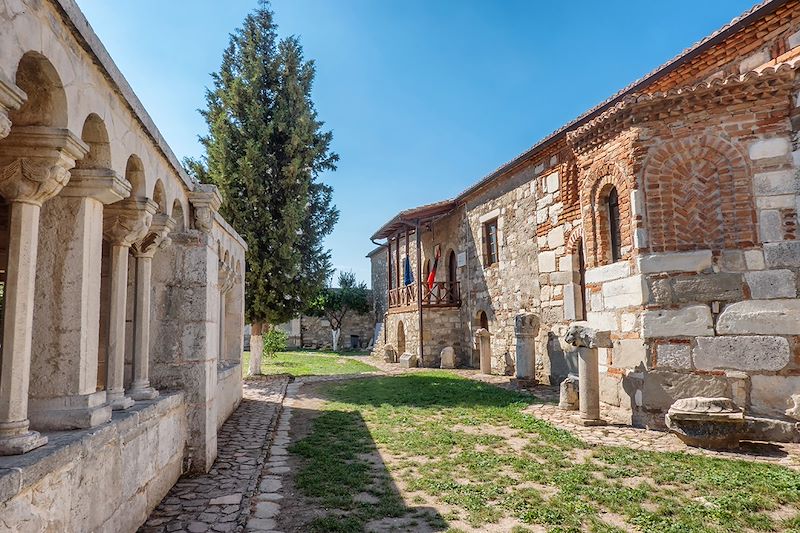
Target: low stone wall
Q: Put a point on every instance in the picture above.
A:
(107, 478)
(229, 390)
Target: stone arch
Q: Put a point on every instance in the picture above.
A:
(160, 196)
(178, 214)
(134, 173)
(698, 196)
(47, 101)
(95, 135)
(401, 337)
(574, 240)
(599, 182)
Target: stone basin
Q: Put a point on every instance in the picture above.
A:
(713, 423)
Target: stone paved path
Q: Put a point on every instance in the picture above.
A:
(220, 501)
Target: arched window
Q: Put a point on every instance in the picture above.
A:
(615, 235)
(484, 320)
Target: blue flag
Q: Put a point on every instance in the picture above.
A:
(408, 277)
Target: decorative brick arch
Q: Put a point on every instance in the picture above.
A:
(574, 237)
(595, 188)
(698, 196)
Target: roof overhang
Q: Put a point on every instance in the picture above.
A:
(408, 219)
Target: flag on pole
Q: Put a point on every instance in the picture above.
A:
(432, 275)
(408, 277)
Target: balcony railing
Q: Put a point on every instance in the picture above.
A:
(440, 294)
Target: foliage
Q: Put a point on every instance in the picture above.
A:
(334, 303)
(310, 364)
(265, 150)
(274, 342)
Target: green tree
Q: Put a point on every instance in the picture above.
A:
(335, 302)
(265, 150)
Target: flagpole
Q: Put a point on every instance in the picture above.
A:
(419, 288)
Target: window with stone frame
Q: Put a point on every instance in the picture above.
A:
(490, 239)
(615, 234)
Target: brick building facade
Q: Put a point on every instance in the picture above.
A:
(667, 215)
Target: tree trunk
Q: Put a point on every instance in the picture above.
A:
(335, 334)
(256, 347)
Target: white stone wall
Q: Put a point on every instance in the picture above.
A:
(104, 479)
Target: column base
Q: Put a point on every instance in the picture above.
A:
(143, 393)
(118, 401)
(587, 422)
(69, 412)
(16, 439)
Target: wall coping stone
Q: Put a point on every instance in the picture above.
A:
(19, 472)
(620, 269)
(695, 261)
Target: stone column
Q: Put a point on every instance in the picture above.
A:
(63, 388)
(124, 223)
(144, 250)
(34, 166)
(226, 281)
(484, 341)
(588, 340)
(526, 327)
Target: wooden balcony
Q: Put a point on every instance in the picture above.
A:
(440, 294)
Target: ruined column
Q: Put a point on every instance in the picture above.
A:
(34, 166)
(484, 341)
(143, 251)
(63, 388)
(124, 224)
(588, 340)
(526, 327)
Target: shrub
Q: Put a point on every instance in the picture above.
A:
(274, 341)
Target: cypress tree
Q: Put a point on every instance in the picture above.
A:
(265, 150)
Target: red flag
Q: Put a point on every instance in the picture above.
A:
(432, 275)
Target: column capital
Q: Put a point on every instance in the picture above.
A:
(526, 325)
(35, 162)
(128, 221)
(206, 200)
(156, 236)
(11, 98)
(102, 184)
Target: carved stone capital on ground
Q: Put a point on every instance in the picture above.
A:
(156, 236)
(206, 200)
(35, 162)
(582, 336)
(11, 98)
(526, 325)
(128, 221)
(102, 184)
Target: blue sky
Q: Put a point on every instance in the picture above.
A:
(424, 97)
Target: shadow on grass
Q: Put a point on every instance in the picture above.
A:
(345, 482)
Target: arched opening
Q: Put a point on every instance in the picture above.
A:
(614, 233)
(452, 277)
(483, 320)
(177, 214)
(401, 338)
(160, 197)
(94, 134)
(47, 103)
(134, 173)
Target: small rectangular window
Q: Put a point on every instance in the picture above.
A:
(490, 238)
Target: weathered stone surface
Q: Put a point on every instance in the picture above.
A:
(568, 397)
(760, 317)
(772, 395)
(618, 270)
(776, 182)
(581, 335)
(662, 388)
(775, 147)
(448, 358)
(782, 254)
(714, 423)
(689, 321)
(408, 360)
(389, 353)
(628, 353)
(626, 292)
(766, 284)
(675, 262)
(547, 261)
(794, 410)
(741, 352)
(722, 287)
(674, 356)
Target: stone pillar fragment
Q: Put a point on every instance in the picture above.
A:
(124, 224)
(484, 341)
(144, 250)
(63, 389)
(34, 166)
(526, 327)
(588, 340)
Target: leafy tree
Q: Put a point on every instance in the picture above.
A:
(335, 303)
(265, 150)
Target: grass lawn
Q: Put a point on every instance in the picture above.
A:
(466, 450)
(307, 363)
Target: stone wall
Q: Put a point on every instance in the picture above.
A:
(103, 479)
(410, 328)
(315, 332)
(229, 390)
